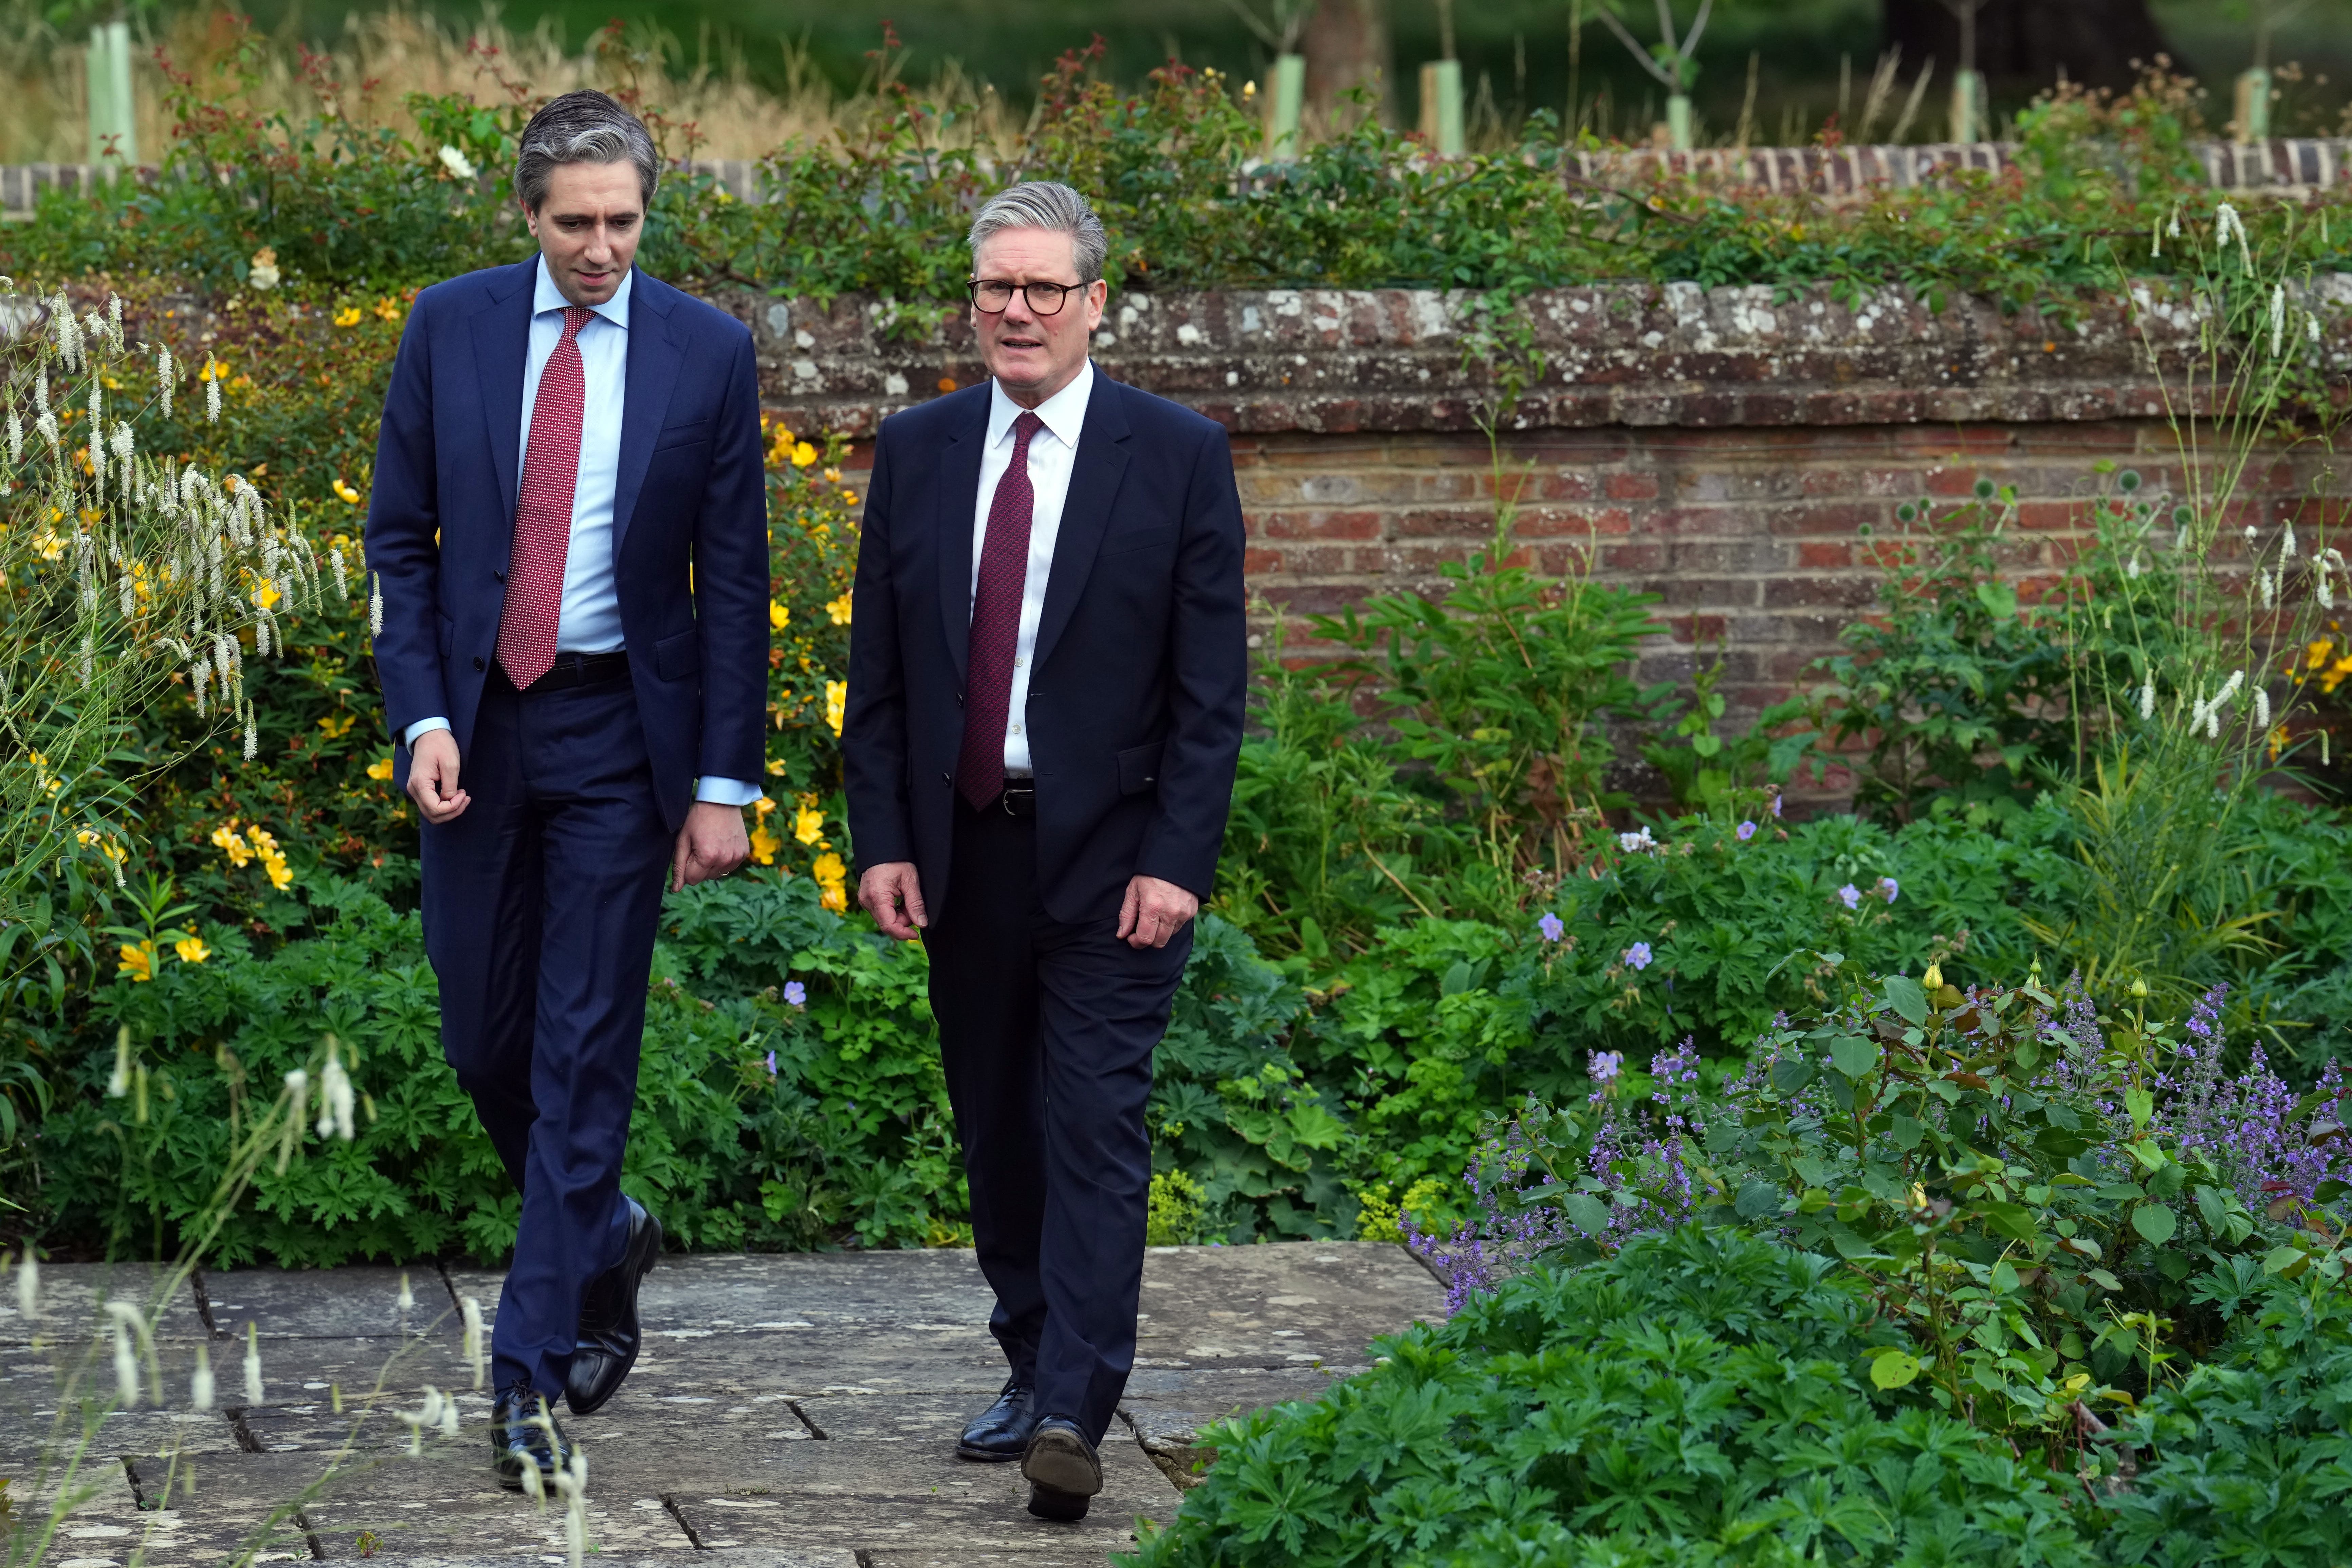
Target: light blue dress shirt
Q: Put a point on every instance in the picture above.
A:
(590, 619)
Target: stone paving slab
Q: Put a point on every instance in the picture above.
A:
(72, 1294)
(789, 1412)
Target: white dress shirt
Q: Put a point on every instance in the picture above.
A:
(1052, 452)
(590, 618)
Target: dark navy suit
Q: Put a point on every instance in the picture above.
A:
(1134, 713)
(542, 899)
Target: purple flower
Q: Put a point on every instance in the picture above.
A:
(1887, 889)
(1776, 804)
(772, 1064)
(1551, 927)
(1605, 1065)
(795, 992)
(1638, 955)
(1851, 896)
(1746, 831)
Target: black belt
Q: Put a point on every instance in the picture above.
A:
(578, 670)
(1020, 798)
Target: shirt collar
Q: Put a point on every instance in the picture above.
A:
(545, 296)
(1065, 413)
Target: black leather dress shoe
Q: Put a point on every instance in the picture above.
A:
(520, 1440)
(1001, 1431)
(1061, 1468)
(609, 1336)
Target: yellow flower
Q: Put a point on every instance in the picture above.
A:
(765, 845)
(348, 316)
(265, 844)
(215, 369)
(831, 875)
(337, 729)
(837, 704)
(833, 476)
(808, 824)
(192, 950)
(266, 596)
(838, 610)
(803, 455)
(380, 769)
(49, 544)
(779, 616)
(349, 496)
(282, 876)
(387, 308)
(776, 766)
(849, 498)
(232, 843)
(138, 961)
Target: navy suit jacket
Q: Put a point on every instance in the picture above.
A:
(1136, 697)
(689, 521)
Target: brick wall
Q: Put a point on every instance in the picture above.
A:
(1723, 450)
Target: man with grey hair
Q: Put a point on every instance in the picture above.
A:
(569, 530)
(1046, 677)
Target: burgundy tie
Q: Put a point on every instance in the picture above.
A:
(996, 623)
(542, 535)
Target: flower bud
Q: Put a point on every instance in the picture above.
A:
(1933, 981)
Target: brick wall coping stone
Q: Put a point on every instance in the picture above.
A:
(1342, 361)
(2287, 167)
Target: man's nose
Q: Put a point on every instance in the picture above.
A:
(1017, 311)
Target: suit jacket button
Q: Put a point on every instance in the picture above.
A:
(500, 575)
(947, 778)
(477, 664)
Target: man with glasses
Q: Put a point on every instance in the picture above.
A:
(1045, 690)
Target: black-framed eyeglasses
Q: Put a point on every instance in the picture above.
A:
(995, 294)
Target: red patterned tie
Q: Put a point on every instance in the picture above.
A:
(996, 623)
(542, 535)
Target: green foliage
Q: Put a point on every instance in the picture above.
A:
(1700, 1397)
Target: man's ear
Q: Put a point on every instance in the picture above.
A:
(530, 219)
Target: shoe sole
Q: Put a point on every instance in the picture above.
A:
(1060, 1462)
(653, 1255)
(985, 1455)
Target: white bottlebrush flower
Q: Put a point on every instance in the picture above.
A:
(16, 437)
(2311, 328)
(457, 163)
(47, 425)
(88, 661)
(2227, 226)
(343, 578)
(406, 1300)
(2327, 588)
(252, 1364)
(470, 1312)
(2269, 582)
(252, 741)
(2172, 228)
(114, 315)
(2132, 568)
(41, 390)
(28, 1285)
(336, 1101)
(118, 1082)
(2230, 688)
(126, 1366)
(2286, 541)
(123, 440)
(2278, 319)
(163, 379)
(198, 676)
(201, 1394)
(375, 608)
(212, 401)
(127, 597)
(2147, 700)
(2261, 709)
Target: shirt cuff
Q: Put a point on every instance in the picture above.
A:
(727, 791)
(421, 727)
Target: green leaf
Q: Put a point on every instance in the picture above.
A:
(1589, 1214)
(1790, 1075)
(2154, 1222)
(2141, 1104)
(2014, 1221)
(1757, 1199)
(1999, 599)
(1894, 1369)
(1856, 1058)
(2004, 1278)
(2282, 1259)
(1904, 995)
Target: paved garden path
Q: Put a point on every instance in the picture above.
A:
(794, 1411)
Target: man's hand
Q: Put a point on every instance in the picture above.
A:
(711, 844)
(432, 777)
(1153, 911)
(892, 893)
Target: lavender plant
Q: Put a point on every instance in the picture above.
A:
(2025, 1184)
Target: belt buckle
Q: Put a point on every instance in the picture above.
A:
(1030, 793)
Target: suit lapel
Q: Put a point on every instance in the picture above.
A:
(958, 505)
(1096, 470)
(501, 339)
(655, 356)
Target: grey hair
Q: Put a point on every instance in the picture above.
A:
(1047, 203)
(584, 127)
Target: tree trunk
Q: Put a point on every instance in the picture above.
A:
(1346, 43)
(2026, 44)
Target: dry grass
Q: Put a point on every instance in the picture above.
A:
(384, 56)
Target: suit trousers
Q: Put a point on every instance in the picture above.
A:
(541, 902)
(1047, 1030)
